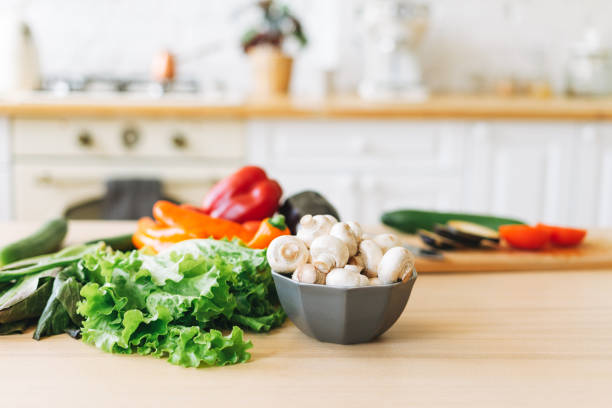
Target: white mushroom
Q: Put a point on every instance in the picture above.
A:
(311, 227)
(352, 268)
(306, 273)
(343, 277)
(328, 252)
(286, 253)
(331, 218)
(396, 263)
(365, 236)
(343, 232)
(357, 230)
(356, 261)
(371, 254)
(375, 282)
(387, 241)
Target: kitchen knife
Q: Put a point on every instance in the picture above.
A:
(424, 253)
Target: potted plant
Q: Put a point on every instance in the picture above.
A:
(265, 44)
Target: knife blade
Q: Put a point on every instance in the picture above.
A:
(424, 253)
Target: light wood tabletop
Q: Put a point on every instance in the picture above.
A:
(456, 106)
(511, 339)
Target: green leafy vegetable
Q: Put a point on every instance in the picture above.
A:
(174, 303)
(16, 327)
(28, 308)
(59, 315)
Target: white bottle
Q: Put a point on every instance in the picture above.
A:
(19, 69)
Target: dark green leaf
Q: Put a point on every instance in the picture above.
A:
(16, 327)
(60, 313)
(30, 307)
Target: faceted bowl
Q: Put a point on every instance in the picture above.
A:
(343, 315)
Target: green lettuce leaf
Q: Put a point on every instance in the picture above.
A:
(173, 304)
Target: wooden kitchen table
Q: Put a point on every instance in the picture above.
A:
(511, 339)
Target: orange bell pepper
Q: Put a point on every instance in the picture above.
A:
(251, 226)
(197, 224)
(269, 229)
(156, 236)
(141, 240)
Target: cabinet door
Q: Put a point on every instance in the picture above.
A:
(364, 167)
(520, 169)
(5, 171)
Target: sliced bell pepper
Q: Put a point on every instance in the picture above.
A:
(251, 226)
(198, 225)
(563, 236)
(524, 236)
(141, 240)
(269, 229)
(246, 195)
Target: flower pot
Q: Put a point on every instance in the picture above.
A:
(271, 71)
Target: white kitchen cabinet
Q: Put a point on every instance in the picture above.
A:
(364, 167)
(552, 171)
(5, 170)
(519, 169)
(556, 172)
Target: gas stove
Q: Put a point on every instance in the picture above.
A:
(100, 84)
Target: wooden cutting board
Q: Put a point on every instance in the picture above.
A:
(594, 253)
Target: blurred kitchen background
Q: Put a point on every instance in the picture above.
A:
(498, 106)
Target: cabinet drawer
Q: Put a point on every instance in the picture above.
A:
(332, 144)
(135, 138)
(44, 192)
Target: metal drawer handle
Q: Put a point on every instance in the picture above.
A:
(130, 137)
(179, 141)
(85, 139)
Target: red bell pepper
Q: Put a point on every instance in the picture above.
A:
(246, 195)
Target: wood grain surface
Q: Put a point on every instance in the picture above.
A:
(515, 339)
(594, 253)
(333, 107)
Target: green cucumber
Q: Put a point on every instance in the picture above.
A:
(118, 242)
(410, 221)
(46, 240)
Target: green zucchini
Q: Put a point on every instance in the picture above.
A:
(118, 242)
(410, 221)
(46, 240)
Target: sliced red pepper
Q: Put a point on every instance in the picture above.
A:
(524, 236)
(246, 195)
(564, 236)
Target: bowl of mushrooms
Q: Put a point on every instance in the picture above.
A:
(338, 284)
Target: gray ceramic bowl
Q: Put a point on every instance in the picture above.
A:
(342, 315)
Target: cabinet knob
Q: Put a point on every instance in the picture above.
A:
(130, 137)
(179, 141)
(85, 139)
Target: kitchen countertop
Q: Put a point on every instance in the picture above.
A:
(437, 107)
(465, 340)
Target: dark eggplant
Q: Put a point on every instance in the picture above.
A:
(458, 237)
(306, 202)
(437, 241)
(473, 230)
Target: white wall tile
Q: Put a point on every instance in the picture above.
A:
(468, 39)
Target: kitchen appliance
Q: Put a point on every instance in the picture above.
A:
(392, 32)
(61, 86)
(19, 69)
(589, 67)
